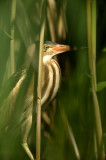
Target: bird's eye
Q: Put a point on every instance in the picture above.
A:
(46, 47)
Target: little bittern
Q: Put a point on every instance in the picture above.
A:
(50, 84)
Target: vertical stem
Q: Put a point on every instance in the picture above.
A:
(95, 145)
(13, 13)
(38, 129)
(91, 20)
(89, 34)
(70, 134)
(94, 40)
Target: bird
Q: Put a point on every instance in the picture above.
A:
(51, 78)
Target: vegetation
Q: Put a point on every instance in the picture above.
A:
(73, 125)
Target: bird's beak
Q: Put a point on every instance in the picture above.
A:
(60, 49)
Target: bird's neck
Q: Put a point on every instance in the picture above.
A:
(51, 81)
(46, 59)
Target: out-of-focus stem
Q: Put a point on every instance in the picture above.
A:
(13, 13)
(94, 41)
(91, 24)
(70, 135)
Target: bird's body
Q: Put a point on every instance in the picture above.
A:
(50, 84)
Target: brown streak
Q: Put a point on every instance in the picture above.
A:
(54, 81)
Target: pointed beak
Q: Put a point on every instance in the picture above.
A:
(60, 49)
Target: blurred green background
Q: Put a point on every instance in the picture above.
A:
(66, 23)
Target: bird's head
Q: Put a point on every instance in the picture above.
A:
(52, 49)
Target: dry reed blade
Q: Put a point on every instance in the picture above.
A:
(71, 136)
(57, 21)
(52, 19)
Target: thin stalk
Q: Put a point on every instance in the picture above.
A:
(94, 41)
(13, 14)
(89, 34)
(38, 129)
(70, 134)
(95, 145)
(91, 22)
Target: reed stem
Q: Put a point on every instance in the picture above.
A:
(13, 14)
(38, 129)
(91, 24)
(70, 134)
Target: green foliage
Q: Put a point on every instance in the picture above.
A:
(101, 86)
